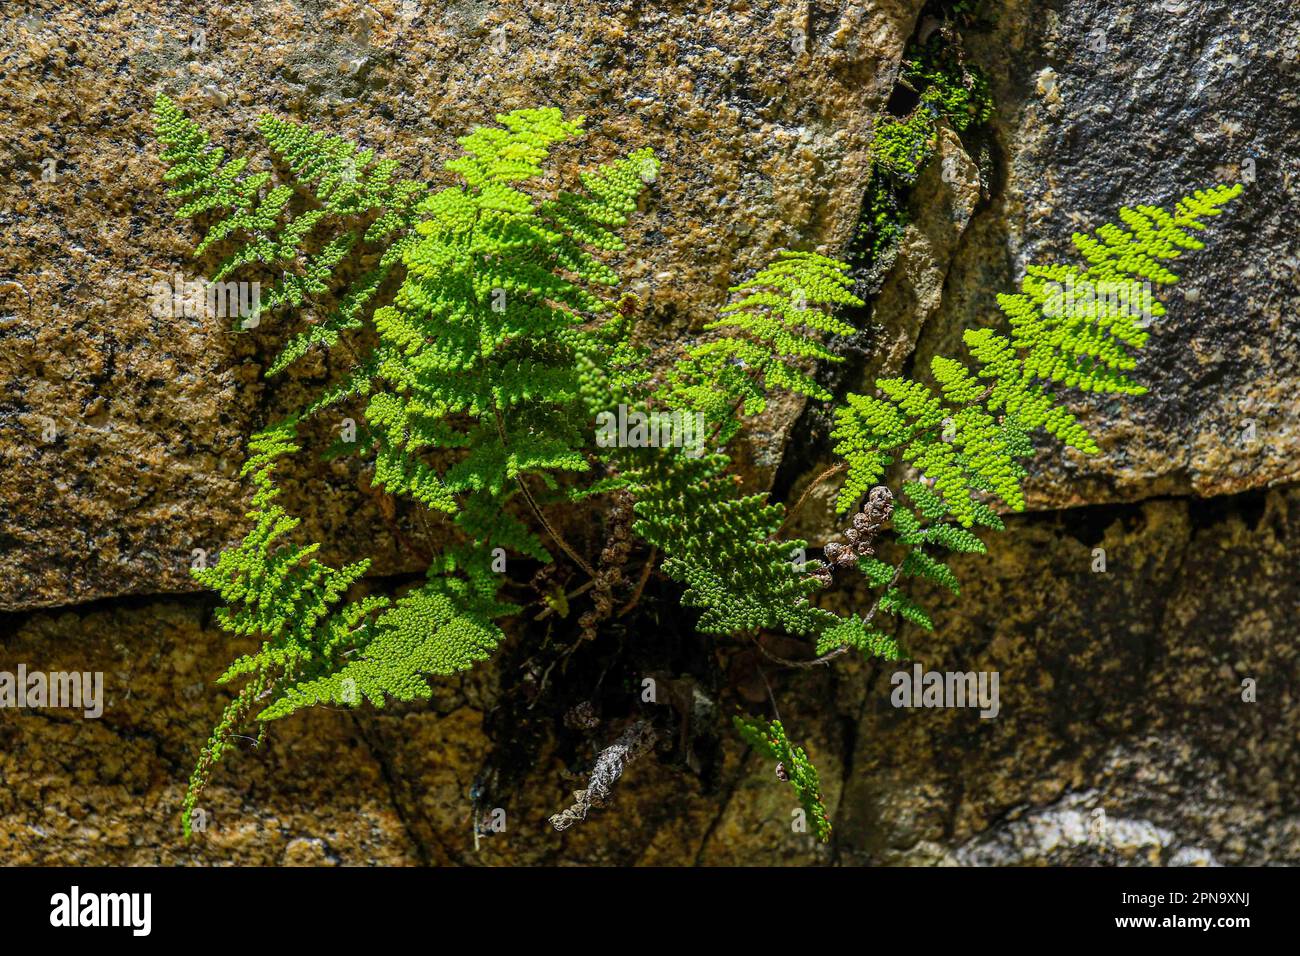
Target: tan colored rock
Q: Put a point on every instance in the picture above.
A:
(126, 429)
(1122, 736)
(1119, 691)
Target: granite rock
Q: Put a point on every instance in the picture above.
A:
(1147, 712)
(126, 429)
(1122, 735)
(1101, 105)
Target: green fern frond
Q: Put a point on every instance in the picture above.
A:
(199, 171)
(968, 434)
(956, 436)
(348, 315)
(349, 198)
(233, 716)
(855, 632)
(919, 564)
(278, 592)
(766, 339)
(514, 151)
(201, 175)
(345, 179)
(720, 546)
(317, 647)
(896, 601)
(792, 765)
(479, 350)
(427, 632)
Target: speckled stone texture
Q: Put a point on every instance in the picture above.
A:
(126, 429)
(1101, 105)
(1123, 736)
(1104, 104)
(1120, 692)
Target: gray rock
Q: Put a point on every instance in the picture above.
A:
(1106, 104)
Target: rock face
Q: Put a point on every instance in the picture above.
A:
(131, 425)
(1147, 713)
(1099, 106)
(1121, 698)
(1122, 735)
(1106, 104)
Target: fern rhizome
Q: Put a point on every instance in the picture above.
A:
(488, 354)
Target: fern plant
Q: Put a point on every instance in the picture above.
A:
(792, 767)
(965, 434)
(477, 355)
(947, 91)
(483, 336)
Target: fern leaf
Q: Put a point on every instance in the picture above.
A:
(792, 765)
(424, 633)
(968, 434)
(777, 323)
(720, 546)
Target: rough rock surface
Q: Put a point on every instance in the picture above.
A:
(1098, 106)
(130, 426)
(1122, 736)
(1119, 692)
(946, 195)
(1103, 104)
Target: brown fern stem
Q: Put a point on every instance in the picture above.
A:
(826, 475)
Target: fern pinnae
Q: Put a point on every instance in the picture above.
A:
(968, 438)
(476, 356)
(791, 766)
(499, 335)
(723, 546)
